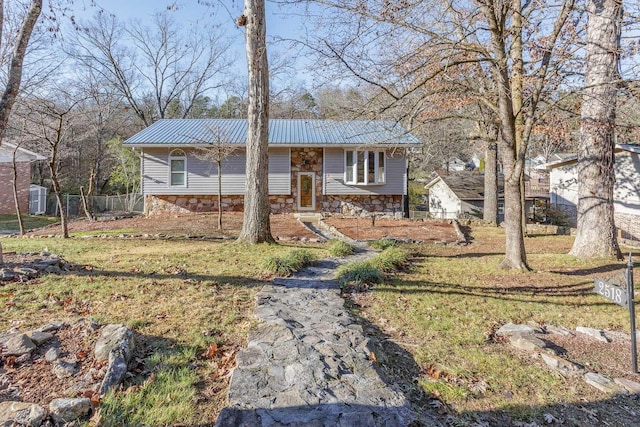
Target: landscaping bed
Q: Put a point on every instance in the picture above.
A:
(362, 228)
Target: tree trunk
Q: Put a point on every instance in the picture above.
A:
(255, 226)
(490, 213)
(515, 254)
(14, 76)
(219, 194)
(61, 205)
(596, 233)
(15, 191)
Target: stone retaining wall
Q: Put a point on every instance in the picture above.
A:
(360, 205)
(349, 205)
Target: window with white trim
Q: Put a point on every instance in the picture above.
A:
(366, 167)
(177, 168)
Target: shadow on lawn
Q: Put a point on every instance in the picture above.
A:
(514, 293)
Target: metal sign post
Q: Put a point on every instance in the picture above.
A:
(632, 316)
(614, 289)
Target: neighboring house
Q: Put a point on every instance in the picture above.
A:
(23, 166)
(454, 165)
(314, 165)
(456, 195)
(626, 196)
(462, 194)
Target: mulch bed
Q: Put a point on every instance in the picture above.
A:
(360, 228)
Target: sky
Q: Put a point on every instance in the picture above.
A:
(283, 22)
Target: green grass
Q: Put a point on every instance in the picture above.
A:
(105, 232)
(170, 294)
(383, 244)
(391, 259)
(340, 248)
(451, 299)
(289, 263)
(358, 273)
(9, 223)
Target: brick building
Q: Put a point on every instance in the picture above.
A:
(23, 165)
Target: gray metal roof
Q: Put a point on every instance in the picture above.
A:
(281, 132)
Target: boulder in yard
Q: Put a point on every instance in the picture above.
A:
(565, 367)
(21, 414)
(527, 342)
(509, 329)
(603, 383)
(113, 336)
(18, 345)
(67, 410)
(596, 334)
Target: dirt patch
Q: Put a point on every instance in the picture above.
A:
(363, 229)
(283, 227)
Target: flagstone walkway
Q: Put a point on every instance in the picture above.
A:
(308, 362)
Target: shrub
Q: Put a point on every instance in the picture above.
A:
(359, 273)
(339, 248)
(391, 259)
(285, 265)
(383, 244)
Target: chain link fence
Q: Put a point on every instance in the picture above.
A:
(102, 205)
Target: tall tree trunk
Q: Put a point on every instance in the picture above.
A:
(58, 193)
(219, 161)
(596, 234)
(14, 76)
(255, 225)
(490, 213)
(15, 190)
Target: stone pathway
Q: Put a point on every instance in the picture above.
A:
(308, 363)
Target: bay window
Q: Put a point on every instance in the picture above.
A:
(364, 167)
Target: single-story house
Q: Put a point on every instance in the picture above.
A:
(626, 196)
(462, 194)
(314, 165)
(24, 158)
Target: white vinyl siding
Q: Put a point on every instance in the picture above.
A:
(394, 170)
(202, 176)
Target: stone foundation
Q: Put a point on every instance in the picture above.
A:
(362, 205)
(159, 204)
(347, 205)
(628, 227)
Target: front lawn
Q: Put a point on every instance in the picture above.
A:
(179, 296)
(445, 309)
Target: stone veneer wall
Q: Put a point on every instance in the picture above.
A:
(628, 226)
(306, 160)
(158, 204)
(362, 205)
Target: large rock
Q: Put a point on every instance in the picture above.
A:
(21, 414)
(116, 369)
(592, 333)
(603, 383)
(63, 369)
(509, 329)
(114, 336)
(561, 365)
(631, 386)
(39, 337)
(527, 342)
(18, 345)
(68, 410)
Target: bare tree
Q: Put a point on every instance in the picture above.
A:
(16, 197)
(50, 126)
(160, 71)
(14, 76)
(407, 50)
(216, 148)
(256, 227)
(596, 233)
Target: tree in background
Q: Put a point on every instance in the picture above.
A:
(125, 175)
(596, 233)
(256, 227)
(160, 71)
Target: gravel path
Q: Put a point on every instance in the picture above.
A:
(308, 363)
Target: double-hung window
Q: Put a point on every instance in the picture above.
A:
(177, 168)
(364, 167)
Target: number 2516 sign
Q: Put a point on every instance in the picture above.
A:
(612, 292)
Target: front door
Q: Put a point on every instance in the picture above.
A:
(306, 191)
